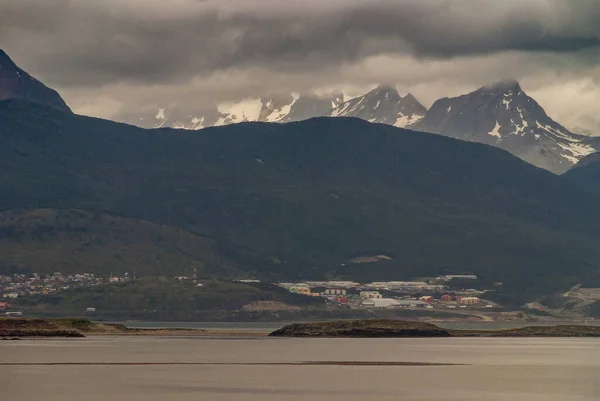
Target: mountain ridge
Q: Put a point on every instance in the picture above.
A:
(503, 115)
(296, 200)
(15, 83)
(500, 114)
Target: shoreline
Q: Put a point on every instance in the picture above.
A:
(410, 329)
(20, 328)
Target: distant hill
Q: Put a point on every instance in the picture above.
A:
(71, 241)
(163, 299)
(297, 200)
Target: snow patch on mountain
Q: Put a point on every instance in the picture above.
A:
(283, 111)
(244, 111)
(496, 131)
(407, 121)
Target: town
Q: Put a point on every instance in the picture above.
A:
(18, 285)
(429, 294)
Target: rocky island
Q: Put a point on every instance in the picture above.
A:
(403, 329)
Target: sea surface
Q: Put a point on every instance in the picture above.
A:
(262, 368)
(265, 327)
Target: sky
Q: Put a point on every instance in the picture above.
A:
(119, 58)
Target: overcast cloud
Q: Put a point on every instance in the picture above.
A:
(114, 57)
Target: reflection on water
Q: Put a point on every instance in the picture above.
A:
(232, 369)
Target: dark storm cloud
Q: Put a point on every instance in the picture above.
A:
(89, 43)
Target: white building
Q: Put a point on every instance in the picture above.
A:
(449, 277)
(333, 284)
(370, 295)
(412, 303)
(336, 291)
(380, 303)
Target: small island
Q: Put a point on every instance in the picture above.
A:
(404, 329)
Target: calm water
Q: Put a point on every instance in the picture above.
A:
(226, 369)
(270, 326)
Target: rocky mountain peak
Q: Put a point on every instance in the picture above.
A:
(6, 62)
(385, 92)
(383, 105)
(503, 115)
(17, 84)
(505, 86)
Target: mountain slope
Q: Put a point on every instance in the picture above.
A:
(503, 115)
(70, 241)
(17, 84)
(279, 108)
(586, 173)
(299, 199)
(383, 105)
(500, 115)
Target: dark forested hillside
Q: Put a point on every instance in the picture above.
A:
(299, 199)
(586, 173)
(45, 241)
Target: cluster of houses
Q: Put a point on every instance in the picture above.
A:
(401, 294)
(17, 285)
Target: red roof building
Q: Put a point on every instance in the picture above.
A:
(428, 299)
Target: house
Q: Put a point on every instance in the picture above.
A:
(470, 301)
(380, 302)
(446, 298)
(342, 300)
(300, 290)
(335, 291)
(428, 299)
(4, 305)
(412, 303)
(370, 295)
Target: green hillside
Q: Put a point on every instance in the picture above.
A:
(297, 200)
(162, 299)
(70, 241)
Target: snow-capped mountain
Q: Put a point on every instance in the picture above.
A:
(277, 108)
(502, 115)
(17, 84)
(383, 105)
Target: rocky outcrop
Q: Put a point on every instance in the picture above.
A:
(402, 329)
(362, 328)
(13, 327)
